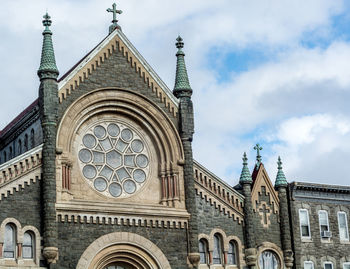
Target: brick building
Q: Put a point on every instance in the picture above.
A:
(98, 172)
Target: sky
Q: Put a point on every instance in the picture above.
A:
(273, 72)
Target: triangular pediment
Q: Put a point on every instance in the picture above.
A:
(117, 41)
(263, 186)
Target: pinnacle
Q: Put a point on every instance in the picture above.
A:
(245, 174)
(281, 180)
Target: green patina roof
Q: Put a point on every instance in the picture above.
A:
(48, 62)
(246, 177)
(281, 180)
(182, 84)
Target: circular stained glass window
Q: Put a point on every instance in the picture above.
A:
(113, 159)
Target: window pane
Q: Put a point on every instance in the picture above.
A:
(328, 266)
(202, 252)
(308, 265)
(217, 250)
(323, 218)
(346, 266)
(303, 217)
(231, 253)
(9, 242)
(28, 246)
(305, 231)
(268, 260)
(343, 227)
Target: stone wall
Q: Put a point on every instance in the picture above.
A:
(74, 238)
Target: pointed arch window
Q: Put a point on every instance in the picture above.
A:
(32, 139)
(28, 245)
(203, 251)
(25, 142)
(9, 247)
(217, 253)
(232, 253)
(19, 147)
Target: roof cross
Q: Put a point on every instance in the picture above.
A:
(115, 11)
(258, 156)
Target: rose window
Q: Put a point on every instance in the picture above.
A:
(114, 159)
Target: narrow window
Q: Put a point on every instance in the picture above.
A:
(26, 142)
(217, 253)
(32, 139)
(304, 223)
(328, 265)
(308, 265)
(5, 157)
(11, 152)
(28, 245)
(9, 247)
(346, 265)
(324, 225)
(343, 226)
(19, 147)
(231, 255)
(203, 251)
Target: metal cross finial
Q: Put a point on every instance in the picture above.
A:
(179, 44)
(258, 157)
(47, 22)
(115, 11)
(279, 163)
(245, 159)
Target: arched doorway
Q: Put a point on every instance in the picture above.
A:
(120, 265)
(122, 250)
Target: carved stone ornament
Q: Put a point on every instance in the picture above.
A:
(251, 256)
(288, 258)
(194, 259)
(50, 254)
(114, 159)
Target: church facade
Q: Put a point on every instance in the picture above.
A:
(98, 173)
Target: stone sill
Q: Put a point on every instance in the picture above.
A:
(217, 266)
(306, 240)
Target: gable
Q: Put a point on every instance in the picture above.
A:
(263, 186)
(117, 43)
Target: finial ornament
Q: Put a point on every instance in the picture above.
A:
(245, 174)
(47, 22)
(179, 44)
(281, 180)
(258, 156)
(114, 21)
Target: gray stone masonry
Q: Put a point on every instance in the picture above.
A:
(76, 237)
(48, 103)
(116, 72)
(317, 249)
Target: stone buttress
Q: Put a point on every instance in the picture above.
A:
(183, 92)
(281, 185)
(48, 103)
(246, 182)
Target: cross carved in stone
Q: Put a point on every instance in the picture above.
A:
(115, 11)
(265, 212)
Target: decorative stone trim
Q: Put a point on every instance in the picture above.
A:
(19, 261)
(117, 40)
(226, 240)
(272, 247)
(122, 220)
(21, 165)
(219, 204)
(328, 259)
(110, 244)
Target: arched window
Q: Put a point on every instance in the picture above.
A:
(217, 253)
(19, 147)
(26, 142)
(231, 255)
(9, 248)
(11, 152)
(203, 251)
(32, 139)
(28, 245)
(5, 157)
(268, 260)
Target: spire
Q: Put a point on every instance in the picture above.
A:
(182, 84)
(115, 24)
(48, 68)
(280, 178)
(258, 156)
(245, 174)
